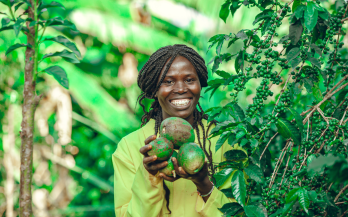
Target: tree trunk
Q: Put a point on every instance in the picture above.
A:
(30, 103)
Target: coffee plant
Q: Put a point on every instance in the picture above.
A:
(27, 17)
(295, 161)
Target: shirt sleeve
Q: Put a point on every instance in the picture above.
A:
(137, 192)
(217, 198)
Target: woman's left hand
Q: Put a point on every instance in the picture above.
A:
(181, 173)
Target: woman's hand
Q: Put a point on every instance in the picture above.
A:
(181, 173)
(149, 161)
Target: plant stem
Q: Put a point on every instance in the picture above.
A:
(30, 103)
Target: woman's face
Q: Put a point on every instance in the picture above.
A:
(180, 90)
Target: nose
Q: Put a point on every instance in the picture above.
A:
(180, 87)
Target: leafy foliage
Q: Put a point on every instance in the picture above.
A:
(303, 133)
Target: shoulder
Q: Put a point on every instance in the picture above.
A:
(134, 141)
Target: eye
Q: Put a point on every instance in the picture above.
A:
(168, 82)
(189, 80)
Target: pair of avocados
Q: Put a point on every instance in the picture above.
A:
(177, 133)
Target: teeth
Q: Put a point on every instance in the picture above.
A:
(181, 102)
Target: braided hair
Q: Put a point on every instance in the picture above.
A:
(148, 79)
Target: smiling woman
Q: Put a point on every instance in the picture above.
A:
(173, 77)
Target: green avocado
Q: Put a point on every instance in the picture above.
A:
(191, 158)
(177, 130)
(168, 170)
(162, 148)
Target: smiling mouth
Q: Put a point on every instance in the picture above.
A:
(180, 102)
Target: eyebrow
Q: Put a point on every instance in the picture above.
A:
(169, 76)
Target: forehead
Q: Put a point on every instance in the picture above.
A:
(180, 66)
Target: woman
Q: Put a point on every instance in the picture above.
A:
(174, 77)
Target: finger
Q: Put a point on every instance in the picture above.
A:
(168, 178)
(176, 168)
(157, 166)
(182, 172)
(148, 160)
(149, 139)
(143, 150)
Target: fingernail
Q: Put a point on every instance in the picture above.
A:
(173, 158)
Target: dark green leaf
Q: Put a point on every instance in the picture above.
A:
(14, 47)
(294, 63)
(239, 187)
(299, 11)
(57, 21)
(4, 22)
(284, 38)
(234, 7)
(65, 42)
(266, 26)
(311, 21)
(288, 130)
(295, 32)
(293, 53)
(224, 136)
(50, 5)
(287, 208)
(342, 95)
(231, 209)
(59, 74)
(324, 14)
(18, 26)
(314, 61)
(322, 161)
(6, 28)
(240, 134)
(18, 5)
(27, 2)
(263, 15)
(255, 173)
(311, 8)
(254, 211)
(298, 118)
(237, 112)
(223, 74)
(227, 192)
(5, 2)
(253, 143)
(222, 176)
(303, 199)
(235, 154)
(317, 92)
(225, 10)
(316, 49)
(67, 55)
(292, 195)
(313, 196)
(308, 83)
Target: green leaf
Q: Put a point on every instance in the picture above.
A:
(234, 7)
(67, 55)
(235, 154)
(295, 32)
(342, 95)
(303, 199)
(316, 49)
(27, 2)
(231, 209)
(239, 187)
(14, 47)
(59, 74)
(263, 15)
(18, 5)
(291, 196)
(4, 22)
(311, 8)
(228, 192)
(51, 5)
(308, 83)
(225, 10)
(315, 62)
(324, 14)
(313, 196)
(254, 211)
(237, 111)
(224, 136)
(255, 173)
(317, 92)
(293, 53)
(295, 5)
(18, 26)
(253, 143)
(6, 28)
(298, 118)
(294, 63)
(288, 130)
(223, 74)
(57, 21)
(299, 11)
(67, 43)
(310, 21)
(222, 176)
(287, 208)
(240, 134)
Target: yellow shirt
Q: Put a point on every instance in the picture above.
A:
(140, 194)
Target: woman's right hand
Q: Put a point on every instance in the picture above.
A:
(149, 161)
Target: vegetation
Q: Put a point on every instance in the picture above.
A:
(297, 146)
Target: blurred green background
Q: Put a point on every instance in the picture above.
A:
(77, 130)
